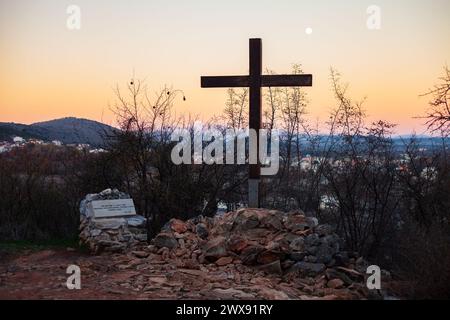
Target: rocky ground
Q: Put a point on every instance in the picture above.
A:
(248, 254)
(139, 275)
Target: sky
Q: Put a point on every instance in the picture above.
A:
(48, 71)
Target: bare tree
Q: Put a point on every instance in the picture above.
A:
(235, 113)
(438, 114)
(145, 125)
(360, 174)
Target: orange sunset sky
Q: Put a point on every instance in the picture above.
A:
(48, 71)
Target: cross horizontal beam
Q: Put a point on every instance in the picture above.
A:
(287, 80)
(284, 80)
(225, 82)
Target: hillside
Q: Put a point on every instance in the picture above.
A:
(66, 130)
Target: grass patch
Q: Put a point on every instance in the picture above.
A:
(22, 245)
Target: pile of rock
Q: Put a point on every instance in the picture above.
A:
(273, 242)
(115, 234)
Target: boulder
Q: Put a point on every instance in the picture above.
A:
(201, 230)
(215, 249)
(165, 240)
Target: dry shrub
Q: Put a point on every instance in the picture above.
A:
(423, 262)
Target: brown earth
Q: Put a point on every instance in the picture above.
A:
(42, 275)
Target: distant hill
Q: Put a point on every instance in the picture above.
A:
(66, 130)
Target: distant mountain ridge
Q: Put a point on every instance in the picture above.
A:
(72, 130)
(67, 130)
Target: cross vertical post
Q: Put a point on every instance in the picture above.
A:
(255, 81)
(255, 119)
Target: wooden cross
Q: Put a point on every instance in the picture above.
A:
(255, 81)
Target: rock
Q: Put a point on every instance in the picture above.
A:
(230, 293)
(297, 244)
(273, 245)
(332, 274)
(300, 227)
(272, 268)
(351, 272)
(287, 264)
(224, 261)
(141, 254)
(335, 284)
(215, 249)
(165, 240)
(111, 246)
(272, 294)
(273, 221)
(236, 247)
(312, 222)
(246, 220)
(256, 233)
(297, 256)
(309, 268)
(294, 219)
(312, 240)
(324, 230)
(111, 224)
(237, 244)
(324, 253)
(136, 221)
(250, 254)
(178, 226)
(181, 243)
(202, 230)
(95, 232)
(269, 256)
(141, 237)
(288, 237)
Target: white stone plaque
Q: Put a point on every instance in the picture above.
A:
(112, 208)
